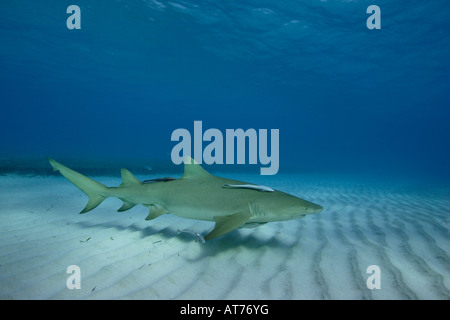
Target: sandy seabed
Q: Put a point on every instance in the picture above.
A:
(403, 228)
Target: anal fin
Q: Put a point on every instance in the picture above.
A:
(225, 224)
(155, 211)
(126, 206)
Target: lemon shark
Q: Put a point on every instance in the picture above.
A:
(197, 194)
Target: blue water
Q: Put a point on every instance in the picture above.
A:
(345, 98)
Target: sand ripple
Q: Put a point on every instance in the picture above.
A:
(400, 227)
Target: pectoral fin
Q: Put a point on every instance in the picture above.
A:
(155, 211)
(225, 224)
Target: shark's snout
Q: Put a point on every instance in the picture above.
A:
(313, 208)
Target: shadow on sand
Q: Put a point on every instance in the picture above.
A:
(234, 240)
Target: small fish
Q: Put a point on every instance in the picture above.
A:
(85, 240)
(197, 235)
(248, 186)
(165, 179)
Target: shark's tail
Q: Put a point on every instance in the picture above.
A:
(96, 191)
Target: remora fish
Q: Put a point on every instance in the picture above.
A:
(197, 194)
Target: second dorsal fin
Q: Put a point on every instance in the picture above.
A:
(128, 178)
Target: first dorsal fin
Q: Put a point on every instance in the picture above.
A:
(192, 169)
(128, 178)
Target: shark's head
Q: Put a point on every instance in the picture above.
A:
(278, 206)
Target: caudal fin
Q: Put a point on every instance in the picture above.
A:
(93, 189)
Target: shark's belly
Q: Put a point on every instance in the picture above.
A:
(204, 212)
(206, 208)
(210, 208)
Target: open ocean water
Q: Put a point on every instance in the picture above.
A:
(362, 120)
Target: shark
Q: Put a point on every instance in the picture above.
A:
(197, 194)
